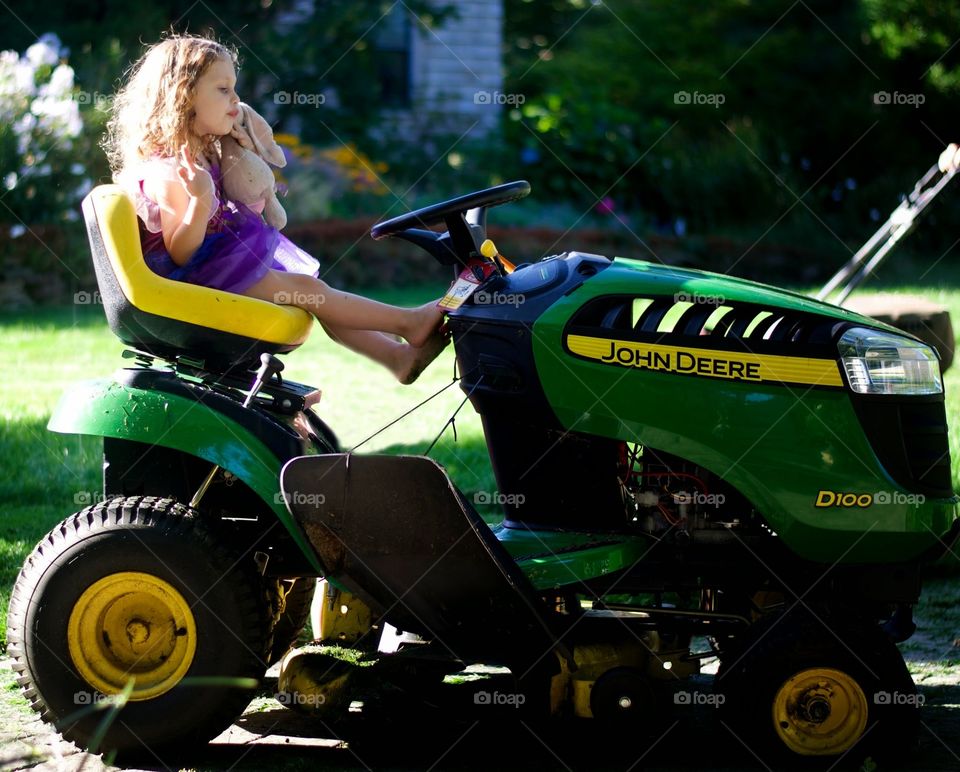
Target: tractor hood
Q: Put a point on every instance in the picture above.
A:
(755, 384)
(525, 294)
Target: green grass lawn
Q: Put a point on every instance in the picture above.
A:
(45, 476)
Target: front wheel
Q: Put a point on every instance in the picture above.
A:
(806, 684)
(135, 596)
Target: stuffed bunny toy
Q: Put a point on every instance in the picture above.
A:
(246, 176)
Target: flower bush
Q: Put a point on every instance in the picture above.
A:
(45, 142)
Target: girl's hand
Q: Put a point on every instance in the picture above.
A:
(197, 182)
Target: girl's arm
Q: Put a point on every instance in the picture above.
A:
(186, 205)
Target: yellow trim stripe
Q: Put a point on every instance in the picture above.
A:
(191, 303)
(709, 363)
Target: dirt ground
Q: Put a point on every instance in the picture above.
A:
(396, 736)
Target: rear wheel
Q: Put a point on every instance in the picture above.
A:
(135, 594)
(803, 685)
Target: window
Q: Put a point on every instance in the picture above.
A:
(392, 45)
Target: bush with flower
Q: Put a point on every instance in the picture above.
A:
(45, 142)
(49, 160)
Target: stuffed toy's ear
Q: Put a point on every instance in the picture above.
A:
(261, 135)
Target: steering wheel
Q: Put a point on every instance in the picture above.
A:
(436, 213)
(465, 232)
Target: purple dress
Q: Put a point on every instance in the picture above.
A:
(238, 250)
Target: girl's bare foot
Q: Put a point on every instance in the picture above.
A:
(414, 359)
(423, 323)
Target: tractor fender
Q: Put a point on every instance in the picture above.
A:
(111, 408)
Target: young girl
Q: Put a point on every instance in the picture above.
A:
(162, 143)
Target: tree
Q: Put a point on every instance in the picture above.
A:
(725, 113)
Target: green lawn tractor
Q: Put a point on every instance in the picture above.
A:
(689, 466)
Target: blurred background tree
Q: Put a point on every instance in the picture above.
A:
(771, 121)
(281, 46)
(791, 97)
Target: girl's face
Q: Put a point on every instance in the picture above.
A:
(215, 102)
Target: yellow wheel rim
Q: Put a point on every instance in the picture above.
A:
(132, 625)
(820, 712)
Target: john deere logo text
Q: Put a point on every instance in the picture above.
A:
(841, 499)
(729, 365)
(682, 362)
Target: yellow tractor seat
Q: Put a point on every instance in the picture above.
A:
(169, 318)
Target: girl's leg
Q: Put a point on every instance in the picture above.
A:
(406, 362)
(345, 310)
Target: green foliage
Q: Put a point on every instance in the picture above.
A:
(724, 114)
(780, 103)
(283, 50)
(919, 33)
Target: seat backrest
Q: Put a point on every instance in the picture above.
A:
(169, 318)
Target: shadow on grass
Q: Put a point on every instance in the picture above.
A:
(392, 730)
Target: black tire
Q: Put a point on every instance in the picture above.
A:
(796, 641)
(161, 540)
(289, 601)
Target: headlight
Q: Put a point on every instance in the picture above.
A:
(879, 362)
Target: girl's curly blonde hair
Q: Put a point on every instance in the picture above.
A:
(152, 112)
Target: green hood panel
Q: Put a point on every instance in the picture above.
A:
(779, 445)
(105, 408)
